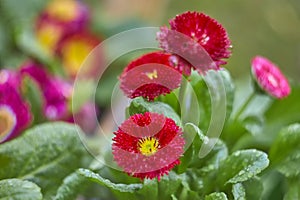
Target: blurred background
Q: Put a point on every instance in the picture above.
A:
(267, 27)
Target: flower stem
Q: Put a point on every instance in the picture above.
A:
(182, 89)
(244, 106)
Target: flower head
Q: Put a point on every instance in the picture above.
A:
(15, 114)
(74, 49)
(270, 78)
(60, 19)
(195, 34)
(151, 75)
(148, 145)
(72, 14)
(56, 92)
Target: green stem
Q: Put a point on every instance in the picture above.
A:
(182, 90)
(244, 106)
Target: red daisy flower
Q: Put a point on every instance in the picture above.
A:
(270, 78)
(151, 75)
(195, 36)
(148, 145)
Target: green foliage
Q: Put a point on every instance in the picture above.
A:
(49, 161)
(44, 155)
(140, 105)
(285, 151)
(71, 186)
(293, 191)
(33, 94)
(242, 165)
(216, 196)
(19, 190)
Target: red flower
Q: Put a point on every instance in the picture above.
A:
(151, 75)
(270, 78)
(148, 145)
(195, 34)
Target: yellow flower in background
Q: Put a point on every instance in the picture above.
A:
(63, 10)
(74, 50)
(60, 19)
(48, 35)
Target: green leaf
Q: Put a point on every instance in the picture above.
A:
(282, 113)
(139, 105)
(170, 99)
(201, 90)
(194, 138)
(293, 191)
(33, 95)
(253, 188)
(204, 95)
(149, 190)
(163, 189)
(229, 89)
(285, 151)
(186, 191)
(19, 190)
(45, 155)
(107, 183)
(216, 196)
(209, 162)
(241, 166)
(238, 192)
(254, 124)
(82, 92)
(169, 185)
(70, 187)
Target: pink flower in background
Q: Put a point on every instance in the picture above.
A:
(15, 114)
(270, 78)
(56, 92)
(151, 75)
(148, 145)
(10, 77)
(195, 36)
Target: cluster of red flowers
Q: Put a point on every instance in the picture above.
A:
(149, 145)
(194, 41)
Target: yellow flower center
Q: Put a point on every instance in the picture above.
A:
(48, 36)
(7, 121)
(152, 75)
(148, 146)
(74, 53)
(65, 10)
